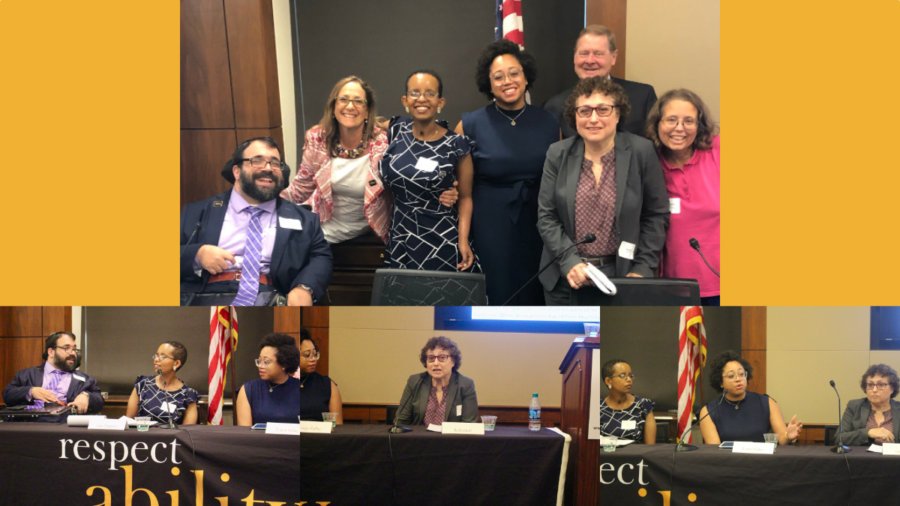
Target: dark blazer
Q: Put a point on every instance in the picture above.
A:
(642, 205)
(298, 256)
(641, 97)
(854, 422)
(460, 392)
(15, 392)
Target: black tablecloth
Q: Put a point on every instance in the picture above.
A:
(803, 475)
(367, 465)
(44, 463)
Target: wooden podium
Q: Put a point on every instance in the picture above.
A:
(583, 474)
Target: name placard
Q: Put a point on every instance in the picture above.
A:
(308, 427)
(758, 448)
(890, 448)
(291, 429)
(472, 429)
(107, 423)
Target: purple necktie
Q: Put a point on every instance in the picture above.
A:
(249, 284)
(53, 386)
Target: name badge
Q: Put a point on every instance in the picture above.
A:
(311, 427)
(472, 429)
(426, 165)
(292, 429)
(79, 377)
(675, 205)
(629, 424)
(459, 410)
(289, 223)
(758, 448)
(626, 250)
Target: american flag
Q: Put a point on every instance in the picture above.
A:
(509, 22)
(223, 339)
(691, 358)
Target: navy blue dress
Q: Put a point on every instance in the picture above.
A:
(509, 163)
(282, 404)
(746, 420)
(315, 396)
(424, 234)
(160, 405)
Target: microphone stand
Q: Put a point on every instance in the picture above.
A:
(171, 424)
(681, 446)
(587, 239)
(696, 245)
(839, 446)
(400, 429)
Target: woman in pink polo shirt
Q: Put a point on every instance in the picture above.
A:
(686, 138)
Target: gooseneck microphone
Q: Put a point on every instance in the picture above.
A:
(696, 245)
(169, 406)
(589, 238)
(839, 446)
(684, 447)
(397, 428)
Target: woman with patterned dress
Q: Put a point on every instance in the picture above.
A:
(511, 140)
(164, 397)
(423, 160)
(623, 414)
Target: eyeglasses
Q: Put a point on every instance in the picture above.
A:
(263, 362)
(439, 358)
(876, 386)
(157, 356)
(68, 349)
(603, 110)
(258, 162)
(357, 102)
(512, 75)
(672, 122)
(623, 375)
(733, 376)
(310, 355)
(415, 94)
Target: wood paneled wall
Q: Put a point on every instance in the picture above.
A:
(22, 334)
(753, 344)
(612, 13)
(316, 320)
(229, 87)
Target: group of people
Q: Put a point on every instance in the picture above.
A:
(439, 394)
(164, 397)
(512, 187)
(739, 414)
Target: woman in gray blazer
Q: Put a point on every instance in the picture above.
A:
(875, 419)
(600, 183)
(441, 393)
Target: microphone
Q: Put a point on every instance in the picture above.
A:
(839, 446)
(589, 238)
(696, 245)
(397, 428)
(684, 447)
(197, 226)
(168, 395)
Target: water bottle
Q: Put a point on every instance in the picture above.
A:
(534, 413)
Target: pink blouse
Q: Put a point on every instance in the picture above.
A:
(694, 205)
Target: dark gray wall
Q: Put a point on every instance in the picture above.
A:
(647, 338)
(119, 342)
(384, 41)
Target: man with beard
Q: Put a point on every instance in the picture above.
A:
(595, 56)
(55, 382)
(249, 247)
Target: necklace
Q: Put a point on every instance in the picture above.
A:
(737, 404)
(302, 382)
(512, 121)
(341, 152)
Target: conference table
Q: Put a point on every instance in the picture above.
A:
(49, 463)
(365, 464)
(794, 475)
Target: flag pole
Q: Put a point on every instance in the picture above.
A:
(231, 366)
